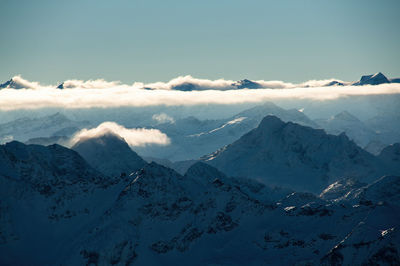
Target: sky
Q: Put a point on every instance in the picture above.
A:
(149, 41)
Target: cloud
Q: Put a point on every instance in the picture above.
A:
(197, 84)
(133, 136)
(320, 83)
(89, 84)
(163, 118)
(136, 96)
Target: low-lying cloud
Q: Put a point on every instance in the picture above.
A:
(111, 95)
(163, 118)
(135, 137)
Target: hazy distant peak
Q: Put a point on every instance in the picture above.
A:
(246, 84)
(346, 116)
(334, 83)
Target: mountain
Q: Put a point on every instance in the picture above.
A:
(391, 155)
(334, 83)
(48, 195)
(387, 124)
(257, 113)
(351, 125)
(189, 86)
(25, 128)
(364, 242)
(45, 141)
(374, 79)
(246, 84)
(109, 154)
(295, 156)
(61, 86)
(57, 210)
(192, 138)
(204, 217)
(11, 84)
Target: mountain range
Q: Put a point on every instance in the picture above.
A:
(308, 183)
(54, 201)
(373, 79)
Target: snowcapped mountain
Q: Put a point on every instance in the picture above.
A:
(24, 129)
(247, 84)
(193, 138)
(12, 84)
(288, 154)
(334, 83)
(351, 125)
(374, 79)
(156, 216)
(109, 154)
(48, 195)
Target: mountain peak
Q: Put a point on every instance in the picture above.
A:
(106, 139)
(271, 123)
(276, 151)
(346, 116)
(11, 84)
(374, 79)
(246, 84)
(110, 154)
(61, 86)
(204, 172)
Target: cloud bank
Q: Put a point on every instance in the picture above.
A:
(135, 137)
(113, 94)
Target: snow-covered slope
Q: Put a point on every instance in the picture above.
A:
(193, 138)
(48, 194)
(288, 154)
(109, 154)
(158, 217)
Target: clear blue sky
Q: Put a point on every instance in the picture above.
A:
(149, 40)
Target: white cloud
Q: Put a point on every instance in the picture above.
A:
(199, 84)
(89, 84)
(275, 84)
(85, 96)
(320, 83)
(133, 136)
(163, 118)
